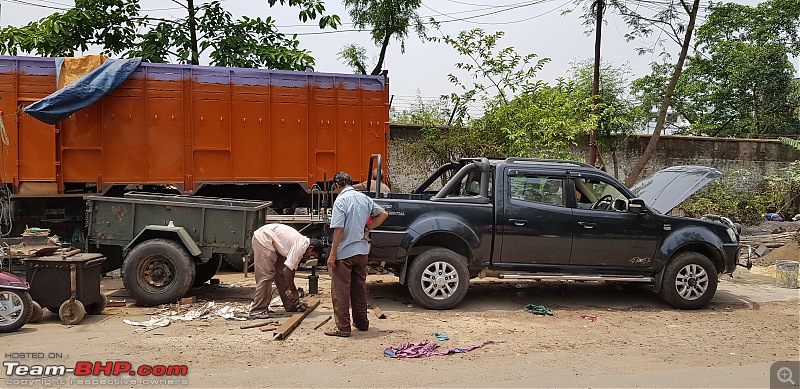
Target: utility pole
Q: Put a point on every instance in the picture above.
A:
(598, 6)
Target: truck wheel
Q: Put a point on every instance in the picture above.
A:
(16, 307)
(690, 281)
(206, 271)
(158, 271)
(235, 261)
(438, 279)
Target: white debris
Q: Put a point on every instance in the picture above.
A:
(153, 322)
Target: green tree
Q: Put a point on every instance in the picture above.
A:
(740, 81)
(386, 19)
(619, 114)
(522, 116)
(118, 27)
(674, 20)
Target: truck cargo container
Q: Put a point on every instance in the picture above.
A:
(184, 129)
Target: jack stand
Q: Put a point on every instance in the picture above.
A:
(313, 281)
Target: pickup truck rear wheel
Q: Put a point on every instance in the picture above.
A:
(690, 281)
(158, 271)
(438, 279)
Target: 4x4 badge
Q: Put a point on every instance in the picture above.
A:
(667, 227)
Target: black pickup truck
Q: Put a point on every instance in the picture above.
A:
(521, 218)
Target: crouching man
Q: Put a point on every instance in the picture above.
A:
(277, 250)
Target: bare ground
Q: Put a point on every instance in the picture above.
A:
(636, 339)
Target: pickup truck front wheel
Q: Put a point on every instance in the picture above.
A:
(690, 281)
(158, 271)
(438, 279)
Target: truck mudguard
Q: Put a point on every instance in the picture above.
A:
(689, 235)
(155, 231)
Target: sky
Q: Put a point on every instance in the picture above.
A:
(530, 26)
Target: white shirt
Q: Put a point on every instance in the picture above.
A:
(285, 240)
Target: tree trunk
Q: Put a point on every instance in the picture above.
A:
(665, 103)
(193, 33)
(385, 44)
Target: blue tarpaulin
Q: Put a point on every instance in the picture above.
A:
(83, 92)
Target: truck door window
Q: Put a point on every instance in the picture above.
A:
(600, 195)
(537, 189)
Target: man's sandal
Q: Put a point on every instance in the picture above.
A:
(338, 333)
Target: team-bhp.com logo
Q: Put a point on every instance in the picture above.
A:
(86, 373)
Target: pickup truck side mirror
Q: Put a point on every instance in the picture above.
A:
(637, 206)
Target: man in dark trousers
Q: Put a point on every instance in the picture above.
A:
(348, 257)
(277, 250)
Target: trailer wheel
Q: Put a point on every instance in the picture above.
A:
(71, 312)
(36, 313)
(438, 279)
(97, 307)
(158, 271)
(206, 271)
(690, 281)
(235, 261)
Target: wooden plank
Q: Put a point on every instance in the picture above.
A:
(286, 328)
(268, 329)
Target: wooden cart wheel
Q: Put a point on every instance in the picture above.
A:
(36, 313)
(71, 312)
(97, 307)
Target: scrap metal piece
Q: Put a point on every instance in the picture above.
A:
(378, 312)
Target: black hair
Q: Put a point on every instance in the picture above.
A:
(316, 246)
(342, 179)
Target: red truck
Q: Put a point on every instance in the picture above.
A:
(184, 129)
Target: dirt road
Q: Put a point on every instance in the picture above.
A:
(636, 340)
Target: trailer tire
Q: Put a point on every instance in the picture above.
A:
(235, 261)
(158, 271)
(37, 312)
(438, 279)
(97, 307)
(206, 271)
(71, 312)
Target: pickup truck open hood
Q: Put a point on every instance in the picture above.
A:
(669, 187)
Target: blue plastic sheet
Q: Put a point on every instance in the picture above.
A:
(83, 92)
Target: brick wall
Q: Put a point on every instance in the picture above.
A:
(750, 159)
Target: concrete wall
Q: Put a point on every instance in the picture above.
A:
(749, 159)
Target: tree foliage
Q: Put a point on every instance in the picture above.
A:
(674, 20)
(111, 24)
(386, 19)
(119, 28)
(522, 116)
(740, 81)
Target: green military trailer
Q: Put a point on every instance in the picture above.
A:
(165, 244)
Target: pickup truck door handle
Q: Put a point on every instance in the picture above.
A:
(518, 222)
(587, 225)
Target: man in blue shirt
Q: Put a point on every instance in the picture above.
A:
(349, 250)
